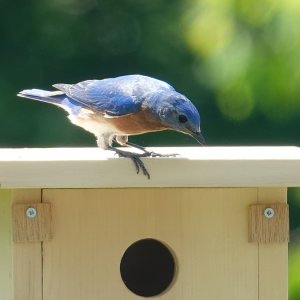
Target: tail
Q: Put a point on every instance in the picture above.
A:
(54, 97)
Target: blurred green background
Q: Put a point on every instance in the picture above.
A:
(237, 60)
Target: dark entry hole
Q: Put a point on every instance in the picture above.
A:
(147, 267)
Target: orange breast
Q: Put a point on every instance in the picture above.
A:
(137, 123)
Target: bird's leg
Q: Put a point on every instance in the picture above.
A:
(135, 157)
(149, 153)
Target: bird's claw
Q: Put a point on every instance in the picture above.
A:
(147, 153)
(139, 165)
(136, 158)
(155, 154)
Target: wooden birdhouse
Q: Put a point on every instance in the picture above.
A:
(211, 223)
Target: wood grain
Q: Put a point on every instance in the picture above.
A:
(206, 229)
(193, 167)
(5, 245)
(35, 229)
(27, 257)
(273, 258)
(269, 230)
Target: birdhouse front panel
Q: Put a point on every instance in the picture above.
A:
(161, 243)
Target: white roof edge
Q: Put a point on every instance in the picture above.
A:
(193, 167)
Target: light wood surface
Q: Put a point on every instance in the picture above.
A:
(273, 258)
(207, 229)
(38, 228)
(27, 257)
(274, 229)
(5, 245)
(193, 167)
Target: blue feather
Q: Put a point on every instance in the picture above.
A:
(114, 96)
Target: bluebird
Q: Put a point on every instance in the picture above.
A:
(115, 108)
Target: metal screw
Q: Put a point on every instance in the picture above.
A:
(269, 212)
(31, 212)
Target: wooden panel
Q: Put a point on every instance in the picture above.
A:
(58, 167)
(27, 257)
(207, 229)
(273, 258)
(35, 227)
(269, 228)
(5, 245)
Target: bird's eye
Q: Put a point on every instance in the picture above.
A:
(182, 119)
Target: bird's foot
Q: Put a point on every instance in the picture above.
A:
(155, 154)
(147, 153)
(136, 158)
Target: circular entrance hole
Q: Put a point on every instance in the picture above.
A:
(147, 267)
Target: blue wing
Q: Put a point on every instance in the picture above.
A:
(114, 96)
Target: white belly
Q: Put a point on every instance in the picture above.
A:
(96, 124)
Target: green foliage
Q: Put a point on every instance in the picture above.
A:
(250, 49)
(294, 278)
(236, 60)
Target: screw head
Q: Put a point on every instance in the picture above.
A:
(269, 213)
(31, 212)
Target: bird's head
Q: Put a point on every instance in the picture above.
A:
(178, 113)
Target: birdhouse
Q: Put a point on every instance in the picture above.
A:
(211, 223)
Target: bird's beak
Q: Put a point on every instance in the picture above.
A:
(198, 137)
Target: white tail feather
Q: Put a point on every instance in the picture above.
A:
(39, 93)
